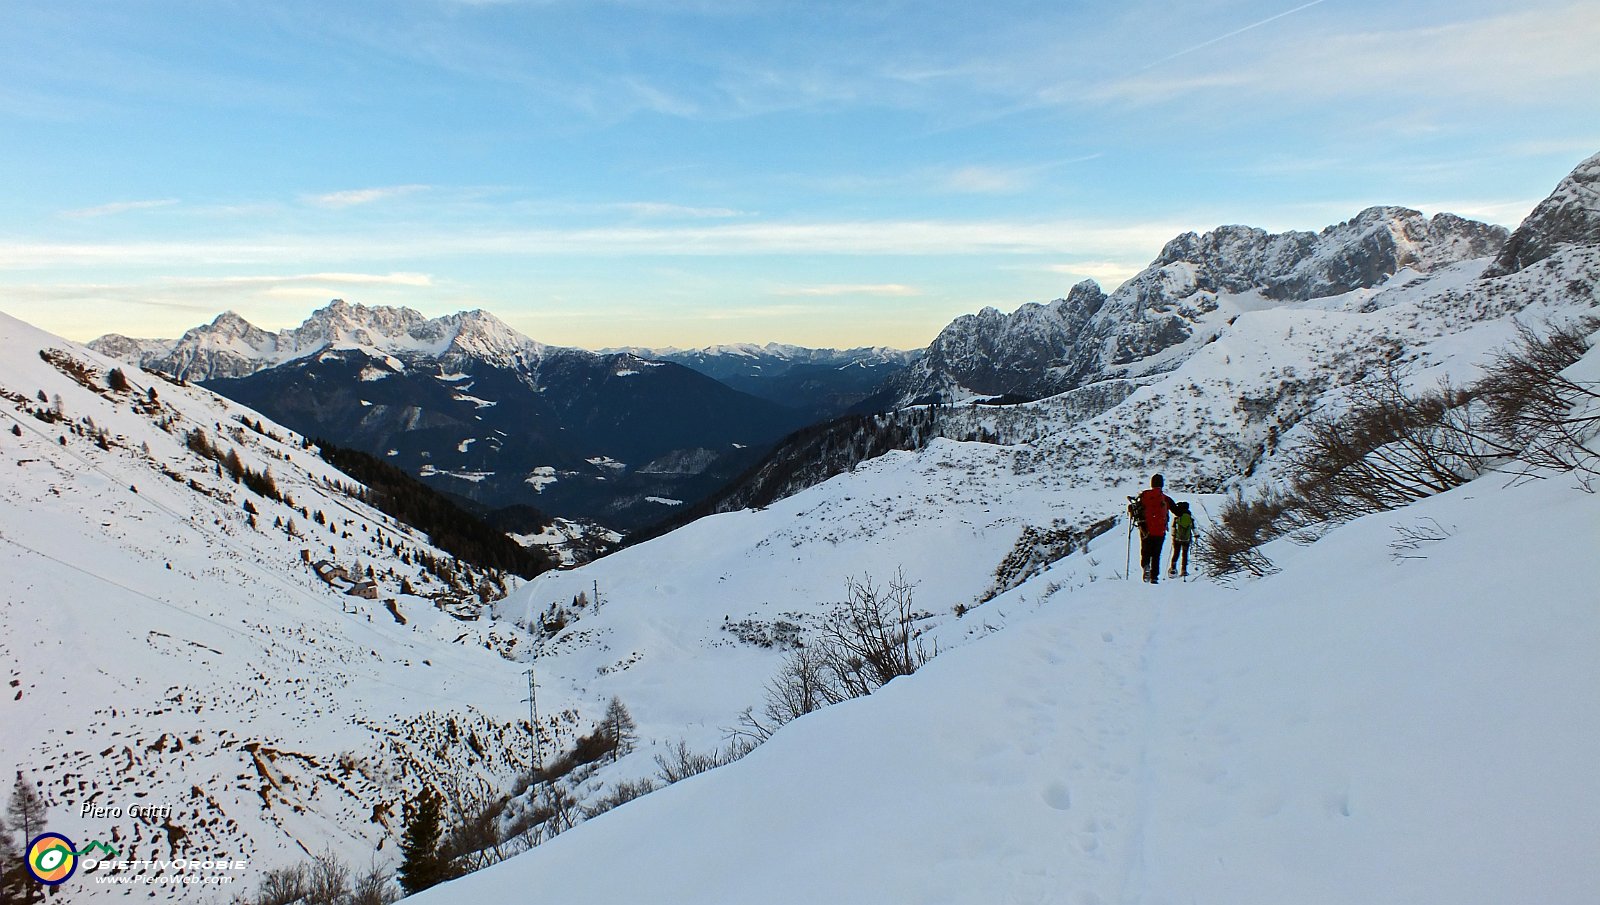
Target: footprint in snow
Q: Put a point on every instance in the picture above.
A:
(1057, 796)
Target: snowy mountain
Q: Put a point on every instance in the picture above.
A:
(230, 346)
(176, 637)
(821, 382)
(1177, 303)
(1404, 712)
(1569, 216)
(479, 411)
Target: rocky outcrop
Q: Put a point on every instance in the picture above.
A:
(1570, 216)
(1041, 350)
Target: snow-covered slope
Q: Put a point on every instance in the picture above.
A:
(164, 642)
(1370, 724)
(1359, 728)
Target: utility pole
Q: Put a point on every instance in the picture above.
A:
(533, 721)
(597, 595)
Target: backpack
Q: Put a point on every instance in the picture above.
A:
(1183, 525)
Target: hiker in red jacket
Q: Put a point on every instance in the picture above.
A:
(1156, 505)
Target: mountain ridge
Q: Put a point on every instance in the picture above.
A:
(1090, 335)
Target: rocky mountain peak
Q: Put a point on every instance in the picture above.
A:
(479, 334)
(1040, 350)
(1569, 216)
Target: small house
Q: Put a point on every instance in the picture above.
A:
(367, 589)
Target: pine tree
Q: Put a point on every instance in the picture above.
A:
(620, 731)
(421, 864)
(25, 817)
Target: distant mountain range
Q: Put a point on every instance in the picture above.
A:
(625, 436)
(482, 412)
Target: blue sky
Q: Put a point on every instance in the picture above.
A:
(687, 172)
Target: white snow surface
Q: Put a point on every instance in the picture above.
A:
(1357, 728)
(157, 649)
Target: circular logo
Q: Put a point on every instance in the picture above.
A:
(51, 858)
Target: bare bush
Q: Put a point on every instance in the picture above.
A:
(1549, 419)
(1233, 543)
(475, 839)
(680, 763)
(872, 639)
(620, 794)
(1390, 448)
(282, 885)
(373, 888)
(1411, 540)
(327, 880)
(324, 880)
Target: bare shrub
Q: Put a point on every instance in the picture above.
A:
(872, 639)
(1411, 540)
(475, 839)
(327, 880)
(680, 763)
(1389, 449)
(620, 794)
(1233, 543)
(373, 888)
(1549, 419)
(282, 885)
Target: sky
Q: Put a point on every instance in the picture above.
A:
(602, 173)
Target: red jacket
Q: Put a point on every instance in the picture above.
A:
(1156, 507)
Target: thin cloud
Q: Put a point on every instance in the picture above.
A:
(350, 279)
(117, 207)
(1545, 54)
(847, 238)
(653, 209)
(836, 289)
(1106, 273)
(356, 197)
(988, 180)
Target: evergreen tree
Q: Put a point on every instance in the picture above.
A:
(421, 864)
(619, 729)
(24, 819)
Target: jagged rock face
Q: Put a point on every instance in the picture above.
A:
(1041, 350)
(1570, 216)
(991, 353)
(231, 347)
(1361, 252)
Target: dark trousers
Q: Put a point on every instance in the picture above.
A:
(1180, 547)
(1150, 556)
